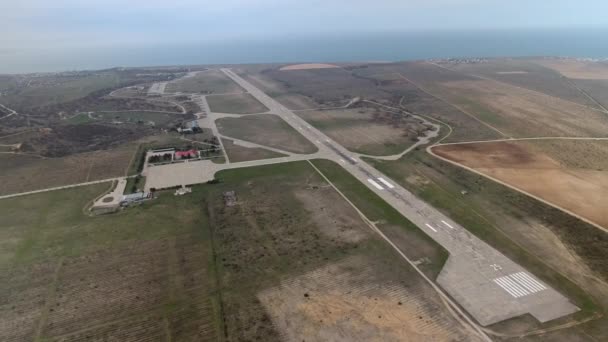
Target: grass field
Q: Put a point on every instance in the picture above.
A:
(290, 258)
(237, 153)
(236, 104)
(521, 113)
(527, 74)
(135, 117)
(138, 275)
(367, 130)
(297, 260)
(21, 173)
(565, 252)
(206, 82)
(265, 129)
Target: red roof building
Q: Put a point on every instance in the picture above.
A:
(186, 154)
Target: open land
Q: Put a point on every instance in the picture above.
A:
(238, 153)
(519, 113)
(525, 73)
(182, 268)
(265, 129)
(23, 172)
(366, 129)
(205, 82)
(317, 248)
(579, 189)
(308, 66)
(236, 104)
(555, 246)
(576, 69)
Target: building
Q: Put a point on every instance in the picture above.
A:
(134, 198)
(186, 154)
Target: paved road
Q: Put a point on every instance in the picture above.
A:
(487, 284)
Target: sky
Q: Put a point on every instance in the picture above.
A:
(59, 24)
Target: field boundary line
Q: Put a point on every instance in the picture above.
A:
(518, 87)
(430, 151)
(452, 306)
(455, 106)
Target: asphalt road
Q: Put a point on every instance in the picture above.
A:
(487, 284)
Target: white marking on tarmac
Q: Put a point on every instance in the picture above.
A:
(353, 159)
(431, 227)
(506, 282)
(528, 282)
(373, 182)
(447, 224)
(506, 288)
(389, 185)
(342, 161)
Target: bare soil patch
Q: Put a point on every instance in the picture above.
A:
(308, 66)
(265, 129)
(581, 191)
(342, 302)
(236, 104)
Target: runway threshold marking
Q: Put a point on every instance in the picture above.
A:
(447, 224)
(383, 181)
(528, 282)
(373, 182)
(431, 227)
(511, 287)
(519, 284)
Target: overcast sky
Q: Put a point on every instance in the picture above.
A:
(98, 23)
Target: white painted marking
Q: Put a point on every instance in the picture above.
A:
(390, 186)
(327, 140)
(509, 291)
(521, 291)
(509, 284)
(372, 182)
(342, 161)
(353, 159)
(447, 224)
(431, 227)
(527, 281)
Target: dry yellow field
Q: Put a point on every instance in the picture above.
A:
(525, 166)
(577, 69)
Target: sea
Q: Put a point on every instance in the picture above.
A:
(584, 43)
